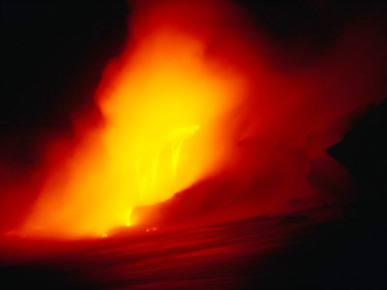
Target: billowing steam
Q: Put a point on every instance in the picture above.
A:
(202, 122)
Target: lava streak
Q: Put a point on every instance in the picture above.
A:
(163, 102)
(201, 103)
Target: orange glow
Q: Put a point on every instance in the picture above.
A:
(163, 107)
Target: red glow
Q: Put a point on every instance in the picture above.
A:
(195, 105)
(201, 160)
(164, 104)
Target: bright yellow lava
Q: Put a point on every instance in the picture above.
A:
(163, 109)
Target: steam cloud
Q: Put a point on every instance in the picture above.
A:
(284, 114)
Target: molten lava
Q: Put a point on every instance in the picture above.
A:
(200, 103)
(163, 106)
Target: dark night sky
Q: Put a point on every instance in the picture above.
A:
(53, 53)
(55, 50)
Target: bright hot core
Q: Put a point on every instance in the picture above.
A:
(163, 102)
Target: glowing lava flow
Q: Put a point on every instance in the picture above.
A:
(163, 106)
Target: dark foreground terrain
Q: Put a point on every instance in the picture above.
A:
(293, 252)
(229, 255)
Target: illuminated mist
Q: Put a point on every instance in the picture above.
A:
(197, 105)
(162, 104)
